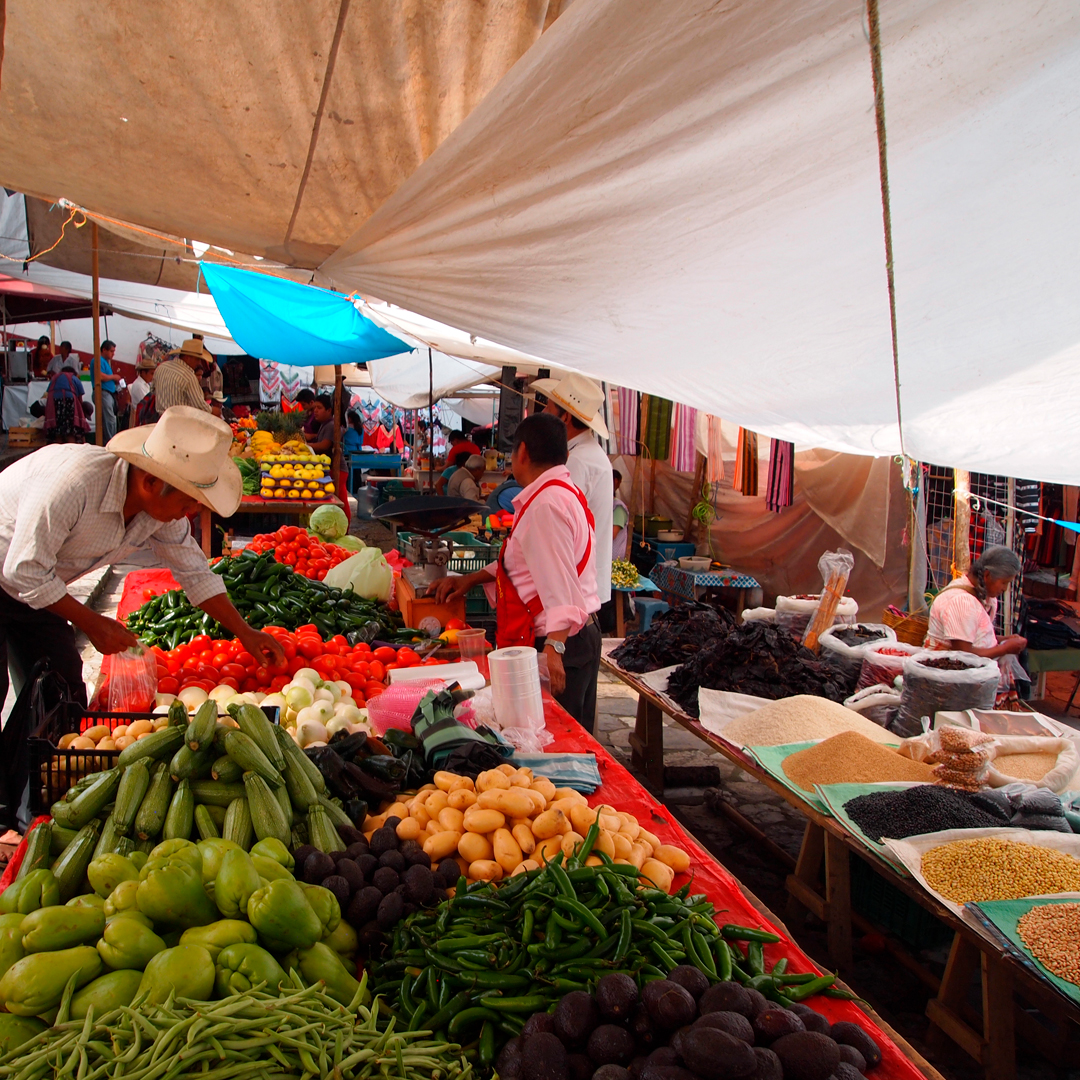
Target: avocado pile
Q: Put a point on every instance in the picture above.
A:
(681, 1028)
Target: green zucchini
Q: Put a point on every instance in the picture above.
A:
(188, 764)
(204, 823)
(200, 732)
(70, 869)
(88, 803)
(157, 745)
(254, 724)
(238, 826)
(338, 817)
(297, 756)
(224, 768)
(130, 794)
(246, 753)
(266, 816)
(110, 837)
(150, 819)
(321, 832)
(61, 837)
(38, 848)
(216, 793)
(181, 816)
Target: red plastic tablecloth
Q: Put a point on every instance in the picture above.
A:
(622, 791)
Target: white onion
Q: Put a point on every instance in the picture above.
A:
(309, 675)
(194, 696)
(164, 699)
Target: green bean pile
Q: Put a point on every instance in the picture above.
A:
(255, 1034)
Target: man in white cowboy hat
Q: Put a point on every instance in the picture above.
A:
(66, 510)
(176, 380)
(577, 402)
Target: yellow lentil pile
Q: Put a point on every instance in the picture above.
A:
(1052, 933)
(991, 869)
(851, 758)
(1026, 766)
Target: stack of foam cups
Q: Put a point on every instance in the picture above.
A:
(515, 688)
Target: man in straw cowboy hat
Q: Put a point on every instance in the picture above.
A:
(66, 510)
(176, 380)
(144, 378)
(577, 402)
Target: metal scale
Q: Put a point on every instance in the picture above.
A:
(427, 517)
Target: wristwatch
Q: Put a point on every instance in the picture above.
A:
(558, 646)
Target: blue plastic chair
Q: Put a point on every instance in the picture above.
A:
(647, 607)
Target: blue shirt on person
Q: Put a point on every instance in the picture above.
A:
(106, 369)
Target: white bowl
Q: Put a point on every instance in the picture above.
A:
(669, 536)
(695, 562)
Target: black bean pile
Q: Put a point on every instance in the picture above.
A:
(913, 811)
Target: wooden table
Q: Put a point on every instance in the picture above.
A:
(300, 509)
(821, 884)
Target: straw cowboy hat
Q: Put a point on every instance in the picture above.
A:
(189, 449)
(145, 363)
(579, 396)
(193, 347)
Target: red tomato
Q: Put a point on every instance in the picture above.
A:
(332, 648)
(168, 685)
(190, 664)
(278, 683)
(244, 659)
(288, 646)
(249, 686)
(289, 532)
(407, 658)
(296, 663)
(320, 564)
(302, 540)
(362, 647)
(227, 681)
(199, 642)
(378, 670)
(208, 671)
(386, 654)
(363, 668)
(356, 681)
(221, 643)
(309, 647)
(261, 676)
(206, 684)
(321, 574)
(340, 641)
(373, 689)
(173, 663)
(392, 667)
(289, 559)
(233, 671)
(148, 594)
(220, 659)
(454, 624)
(302, 567)
(279, 669)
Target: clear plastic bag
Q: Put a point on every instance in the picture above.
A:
(961, 757)
(132, 680)
(835, 567)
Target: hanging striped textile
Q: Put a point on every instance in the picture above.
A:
(683, 421)
(281, 380)
(625, 405)
(708, 443)
(746, 463)
(781, 488)
(657, 426)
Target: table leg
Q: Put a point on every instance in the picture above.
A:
(944, 1011)
(647, 743)
(620, 614)
(1040, 686)
(838, 896)
(999, 1057)
(802, 885)
(204, 520)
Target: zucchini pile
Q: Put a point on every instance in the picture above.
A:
(197, 781)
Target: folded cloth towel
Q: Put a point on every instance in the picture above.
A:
(577, 771)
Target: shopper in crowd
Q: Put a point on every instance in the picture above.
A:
(352, 442)
(577, 402)
(306, 400)
(40, 356)
(63, 359)
(620, 521)
(460, 444)
(65, 419)
(219, 407)
(109, 387)
(144, 377)
(66, 510)
(177, 380)
(322, 442)
(502, 498)
(545, 578)
(465, 483)
(458, 459)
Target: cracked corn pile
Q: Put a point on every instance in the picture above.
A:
(1026, 766)
(991, 869)
(1052, 933)
(802, 718)
(851, 758)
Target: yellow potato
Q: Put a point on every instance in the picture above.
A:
(408, 829)
(611, 822)
(492, 779)
(545, 787)
(605, 844)
(403, 797)
(539, 802)
(524, 837)
(120, 729)
(622, 845)
(97, 732)
(124, 741)
(67, 740)
(452, 819)
(463, 866)
(522, 778)
(657, 873)
(433, 827)
(581, 817)
(139, 727)
(106, 744)
(524, 867)
(228, 721)
(485, 870)
(162, 724)
(594, 860)
(436, 802)
(570, 842)
(550, 823)
(649, 838)
(630, 827)
(568, 793)
(483, 821)
(506, 769)
(508, 851)
(566, 805)
(82, 743)
(638, 854)
(462, 798)
(547, 849)
(513, 802)
(672, 856)
(474, 846)
(448, 781)
(420, 814)
(441, 845)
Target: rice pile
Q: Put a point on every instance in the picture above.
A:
(851, 758)
(802, 718)
(1032, 766)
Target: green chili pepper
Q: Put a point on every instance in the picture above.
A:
(755, 958)
(809, 989)
(748, 933)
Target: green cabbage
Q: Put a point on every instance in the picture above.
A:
(350, 543)
(329, 522)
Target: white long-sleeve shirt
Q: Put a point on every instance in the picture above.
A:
(62, 515)
(590, 469)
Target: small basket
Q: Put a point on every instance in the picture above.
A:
(910, 629)
(53, 771)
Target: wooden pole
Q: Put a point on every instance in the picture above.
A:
(431, 423)
(335, 460)
(961, 521)
(95, 367)
(1010, 542)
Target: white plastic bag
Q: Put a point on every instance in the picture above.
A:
(850, 657)
(928, 689)
(367, 573)
(793, 613)
(879, 703)
(1057, 779)
(883, 662)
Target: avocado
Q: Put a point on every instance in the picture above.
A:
(642, 1027)
(732, 1022)
(716, 1055)
(853, 1057)
(536, 1023)
(616, 996)
(666, 1072)
(852, 1035)
(691, 979)
(611, 1072)
(543, 1057)
(581, 1068)
(610, 1044)
(508, 1063)
(575, 1017)
(728, 997)
(664, 1055)
(768, 1065)
(845, 1071)
(758, 1002)
(811, 1018)
(776, 1022)
(807, 1055)
(669, 1005)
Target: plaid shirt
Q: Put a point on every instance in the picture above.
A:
(62, 515)
(176, 384)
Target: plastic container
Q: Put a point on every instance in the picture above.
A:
(515, 694)
(669, 535)
(473, 645)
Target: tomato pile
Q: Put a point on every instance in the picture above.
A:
(206, 662)
(296, 547)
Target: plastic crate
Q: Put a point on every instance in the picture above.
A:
(54, 771)
(893, 911)
(469, 553)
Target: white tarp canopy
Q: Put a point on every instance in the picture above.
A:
(404, 380)
(684, 198)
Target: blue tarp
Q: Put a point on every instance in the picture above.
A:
(280, 320)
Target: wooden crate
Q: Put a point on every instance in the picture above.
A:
(22, 438)
(414, 608)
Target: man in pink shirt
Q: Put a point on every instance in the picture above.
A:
(545, 578)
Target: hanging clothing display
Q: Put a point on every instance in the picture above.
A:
(626, 405)
(684, 418)
(781, 488)
(281, 380)
(746, 464)
(656, 426)
(707, 439)
(1027, 499)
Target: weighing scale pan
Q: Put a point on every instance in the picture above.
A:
(429, 514)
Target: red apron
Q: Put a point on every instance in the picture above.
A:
(515, 620)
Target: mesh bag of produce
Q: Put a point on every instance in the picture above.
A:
(936, 681)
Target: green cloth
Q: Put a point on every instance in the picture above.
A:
(836, 795)
(771, 758)
(657, 433)
(1039, 660)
